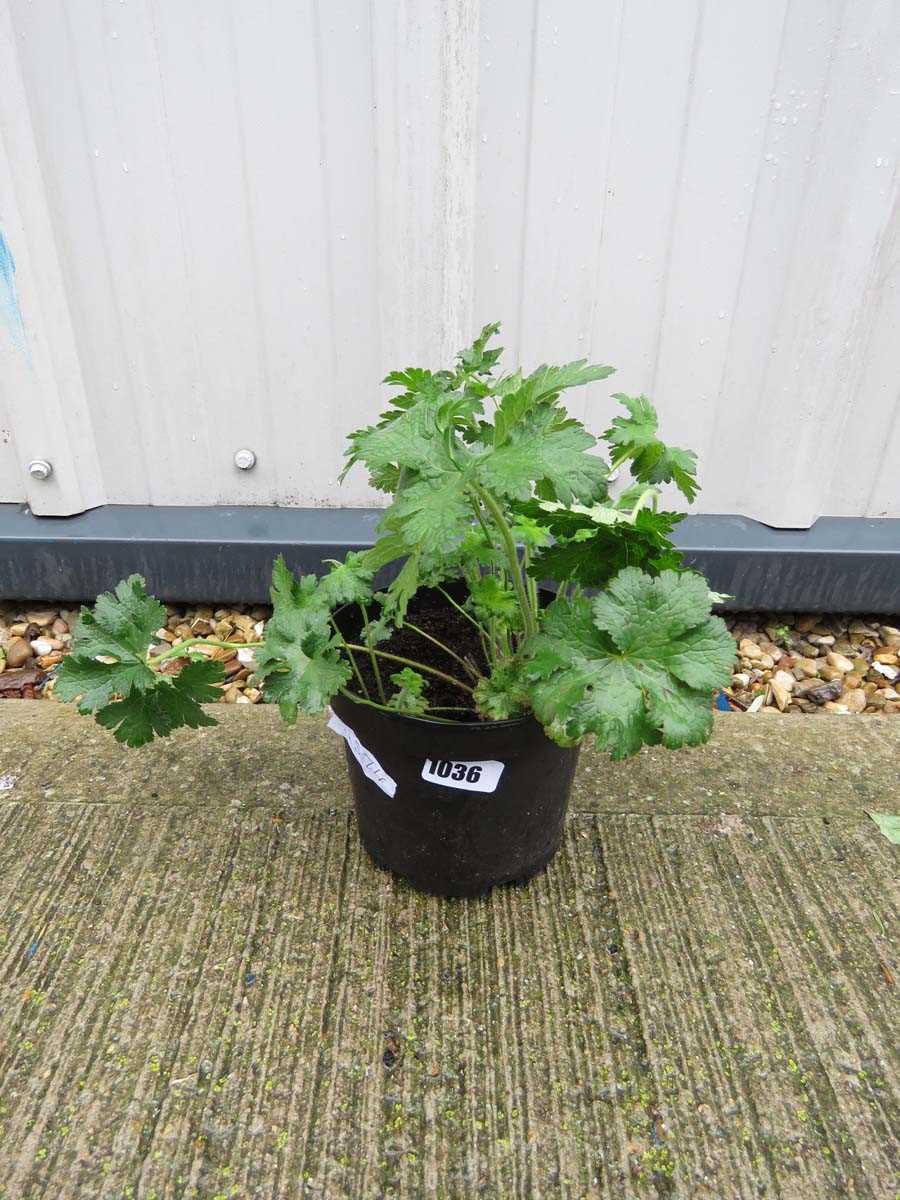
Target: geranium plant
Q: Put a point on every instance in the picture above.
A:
(494, 489)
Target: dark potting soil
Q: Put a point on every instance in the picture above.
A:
(431, 612)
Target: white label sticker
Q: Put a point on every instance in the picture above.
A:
(371, 767)
(470, 776)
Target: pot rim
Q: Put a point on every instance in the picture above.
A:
(470, 726)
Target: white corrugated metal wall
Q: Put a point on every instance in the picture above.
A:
(224, 220)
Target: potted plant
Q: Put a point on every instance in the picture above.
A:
(462, 689)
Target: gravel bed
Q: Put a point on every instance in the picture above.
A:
(811, 662)
(34, 639)
(784, 662)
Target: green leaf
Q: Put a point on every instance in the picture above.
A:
(417, 381)
(529, 532)
(388, 548)
(410, 694)
(396, 598)
(477, 360)
(638, 664)
(432, 515)
(173, 702)
(306, 682)
(454, 562)
(540, 386)
(120, 628)
(412, 439)
(488, 597)
(635, 438)
(375, 631)
(888, 823)
(383, 479)
(543, 447)
(502, 694)
(635, 431)
(121, 625)
(297, 609)
(109, 659)
(300, 659)
(95, 683)
(347, 582)
(589, 550)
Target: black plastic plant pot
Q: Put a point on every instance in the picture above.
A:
(455, 809)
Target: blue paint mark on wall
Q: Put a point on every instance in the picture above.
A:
(10, 313)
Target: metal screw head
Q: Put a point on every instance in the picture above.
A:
(244, 460)
(39, 468)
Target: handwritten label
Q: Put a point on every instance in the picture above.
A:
(480, 776)
(370, 765)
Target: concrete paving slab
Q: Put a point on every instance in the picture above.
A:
(206, 989)
(762, 764)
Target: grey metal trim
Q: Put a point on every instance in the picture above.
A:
(216, 553)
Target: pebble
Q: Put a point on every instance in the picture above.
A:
(18, 653)
(825, 692)
(854, 699)
(784, 663)
(829, 672)
(808, 667)
(42, 617)
(807, 649)
(784, 679)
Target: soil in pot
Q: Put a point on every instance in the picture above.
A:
(432, 613)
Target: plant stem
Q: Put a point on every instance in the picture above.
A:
(459, 608)
(409, 662)
(359, 678)
(530, 581)
(446, 649)
(384, 707)
(375, 669)
(178, 651)
(512, 557)
(481, 521)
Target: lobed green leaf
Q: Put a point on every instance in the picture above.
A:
(637, 664)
